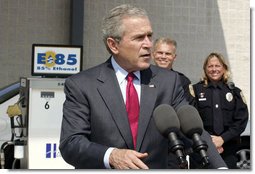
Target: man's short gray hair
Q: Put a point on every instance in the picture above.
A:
(166, 40)
(112, 23)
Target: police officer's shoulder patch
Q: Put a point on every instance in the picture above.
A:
(243, 98)
(191, 90)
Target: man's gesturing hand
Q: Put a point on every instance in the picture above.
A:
(127, 159)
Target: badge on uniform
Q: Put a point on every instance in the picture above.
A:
(202, 97)
(229, 96)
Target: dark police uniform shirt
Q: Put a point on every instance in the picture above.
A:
(227, 103)
(185, 82)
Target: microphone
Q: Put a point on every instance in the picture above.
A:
(192, 127)
(168, 124)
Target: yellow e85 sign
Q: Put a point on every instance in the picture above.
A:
(50, 59)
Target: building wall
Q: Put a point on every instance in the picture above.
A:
(24, 22)
(199, 27)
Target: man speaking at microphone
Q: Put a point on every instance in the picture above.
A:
(107, 115)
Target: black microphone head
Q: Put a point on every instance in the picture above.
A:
(166, 119)
(190, 120)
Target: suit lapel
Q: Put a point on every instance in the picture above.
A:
(148, 97)
(111, 94)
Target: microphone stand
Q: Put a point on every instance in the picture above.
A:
(177, 147)
(200, 146)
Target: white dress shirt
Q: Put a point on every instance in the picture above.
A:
(121, 75)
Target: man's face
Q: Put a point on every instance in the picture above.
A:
(133, 52)
(164, 55)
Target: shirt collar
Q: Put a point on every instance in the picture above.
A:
(219, 84)
(121, 73)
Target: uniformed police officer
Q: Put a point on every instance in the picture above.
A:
(164, 55)
(222, 107)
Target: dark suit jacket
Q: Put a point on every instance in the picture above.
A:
(95, 118)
